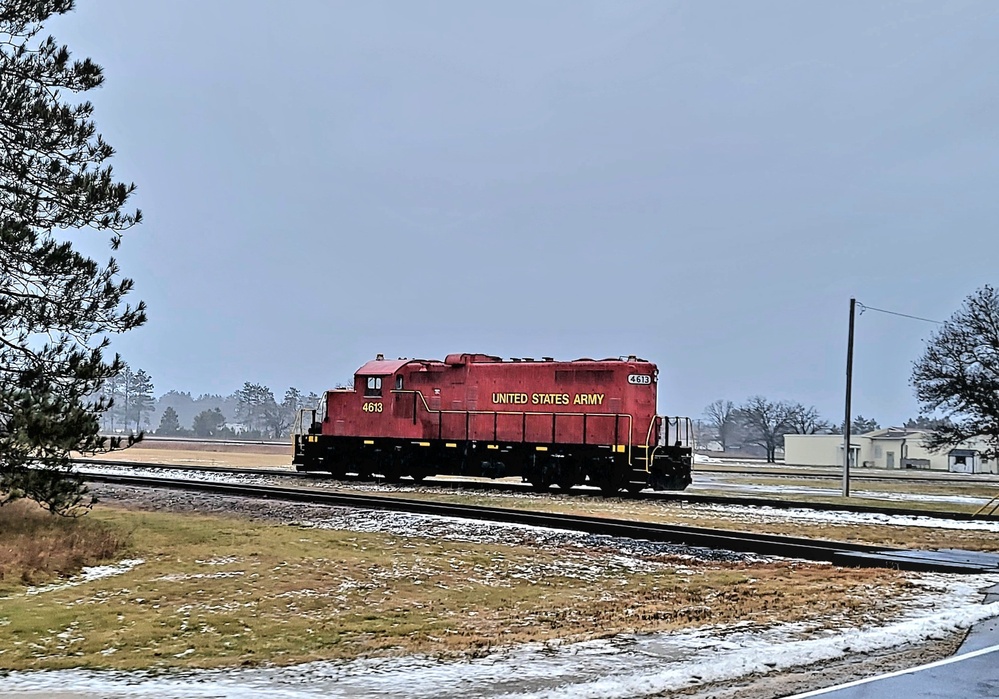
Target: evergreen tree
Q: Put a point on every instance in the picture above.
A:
(169, 424)
(182, 404)
(863, 425)
(257, 408)
(121, 395)
(294, 400)
(208, 423)
(57, 306)
(140, 400)
(131, 396)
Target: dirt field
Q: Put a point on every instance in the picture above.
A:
(206, 455)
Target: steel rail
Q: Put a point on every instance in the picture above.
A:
(836, 552)
(497, 486)
(902, 476)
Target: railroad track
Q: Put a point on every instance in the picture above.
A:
(837, 553)
(829, 474)
(152, 439)
(747, 467)
(526, 488)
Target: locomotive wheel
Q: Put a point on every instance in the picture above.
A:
(392, 473)
(610, 483)
(418, 473)
(610, 489)
(679, 483)
(541, 485)
(635, 488)
(570, 473)
(391, 466)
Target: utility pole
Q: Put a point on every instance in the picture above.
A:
(849, 385)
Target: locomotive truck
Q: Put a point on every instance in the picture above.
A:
(550, 422)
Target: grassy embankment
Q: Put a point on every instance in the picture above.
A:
(222, 591)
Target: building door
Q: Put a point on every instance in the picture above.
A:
(889, 459)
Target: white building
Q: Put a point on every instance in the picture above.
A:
(892, 448)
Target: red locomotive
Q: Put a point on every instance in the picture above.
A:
(564, 423)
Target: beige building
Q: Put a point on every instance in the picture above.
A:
(892, 448)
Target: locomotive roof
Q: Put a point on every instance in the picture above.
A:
(382, 367)
(385, 367)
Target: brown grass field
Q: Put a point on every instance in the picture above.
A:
(221, 591)
(224, 590)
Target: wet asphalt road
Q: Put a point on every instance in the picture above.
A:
(971, 673)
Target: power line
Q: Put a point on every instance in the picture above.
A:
(896, 313)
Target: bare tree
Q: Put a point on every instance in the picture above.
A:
(958, 375)
(721, 417)
(802, 420)
(766, 423)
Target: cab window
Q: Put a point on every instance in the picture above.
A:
(374, 386)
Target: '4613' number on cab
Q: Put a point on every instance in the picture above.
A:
(372, 407)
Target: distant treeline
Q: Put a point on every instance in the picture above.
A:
(252, 412)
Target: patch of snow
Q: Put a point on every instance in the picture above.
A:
(219, 561)
(715, 482)
(176, 577)
(439, 528)
(88, 574)
(207, 475)
(750, 513)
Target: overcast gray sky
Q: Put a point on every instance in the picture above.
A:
(704, 184)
